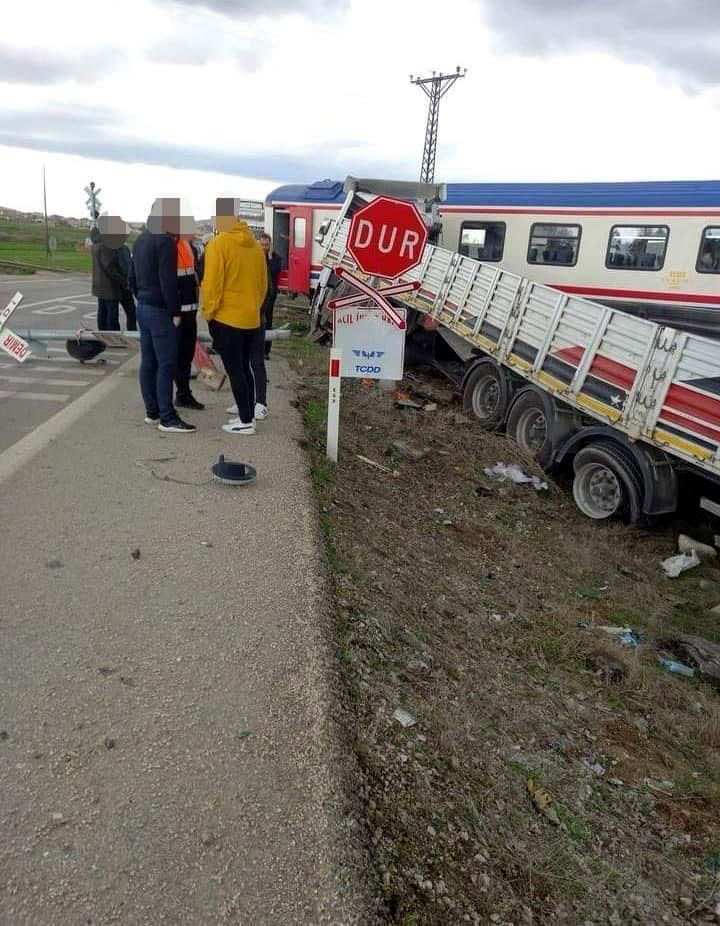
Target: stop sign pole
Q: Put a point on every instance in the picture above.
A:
(386, 239)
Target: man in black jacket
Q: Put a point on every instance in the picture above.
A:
(108, 279)
(274, 265)
(154, 283)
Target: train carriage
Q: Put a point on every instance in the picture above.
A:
(650, 248)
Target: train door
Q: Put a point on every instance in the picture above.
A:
(281, 243)
(300, 249)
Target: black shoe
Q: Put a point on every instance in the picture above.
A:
(189, 401)
(177, 426)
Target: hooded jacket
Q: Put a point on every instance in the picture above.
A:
(108, 279)
(235, 278)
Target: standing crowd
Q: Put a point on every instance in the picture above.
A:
(161, 286)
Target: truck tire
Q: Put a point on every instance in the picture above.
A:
(538, 425)
(487, 391)
(607, 483)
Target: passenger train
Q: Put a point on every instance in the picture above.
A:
(650, 248)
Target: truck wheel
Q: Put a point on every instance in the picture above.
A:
(607, 483)
(486, 395)
(538, 424)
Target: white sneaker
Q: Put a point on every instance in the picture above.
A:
(261, 412)
(239, 427)
(233, 410)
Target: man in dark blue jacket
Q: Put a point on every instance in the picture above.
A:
(154, 284)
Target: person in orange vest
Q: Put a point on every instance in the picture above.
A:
(187, 276)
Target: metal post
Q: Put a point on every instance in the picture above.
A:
(434, 88)
(47, 229)
(333, 422)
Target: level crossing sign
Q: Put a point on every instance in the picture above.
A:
(10, 342)
(386, 239)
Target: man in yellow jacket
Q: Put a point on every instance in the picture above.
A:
(233, 290)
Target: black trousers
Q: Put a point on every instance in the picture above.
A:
(268, 311)
(108, 315)
(257, 365)
(236, 347)
(127, 301)
(187, 336)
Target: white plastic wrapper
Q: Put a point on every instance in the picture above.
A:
(515, 474)
(681, 562)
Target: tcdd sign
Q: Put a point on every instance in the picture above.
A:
(387, 237)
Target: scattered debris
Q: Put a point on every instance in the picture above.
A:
(106, 670)
(58, 819)
(430, 407)
(205, 543)
(688, 545)
(681, 562)
(207, 838)
(408, 403)
(54, 564)
(244, 734)
(404, 718)
(484, 492)
(384, 469)
(676, 668)
(109, 742)
(135, 553)
(517, 475)
(3, 735)
(543, 801)
(607, 668)
(405, 450)
(703, 654)
(625, 636)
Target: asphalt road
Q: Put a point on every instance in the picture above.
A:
(33, 391)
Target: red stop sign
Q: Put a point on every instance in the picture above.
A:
(387, 237)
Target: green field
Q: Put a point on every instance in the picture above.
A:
(25, 242)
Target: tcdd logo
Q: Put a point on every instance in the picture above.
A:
(366, 355)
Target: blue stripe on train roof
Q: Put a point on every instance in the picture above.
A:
(659, 194)
(654, 194)
(324, 191)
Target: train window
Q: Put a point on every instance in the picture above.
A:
(482, 240)
(554, 244)
(637, 247)
(709, 257)
(299, 234)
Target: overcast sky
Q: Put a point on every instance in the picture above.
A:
(201, 98)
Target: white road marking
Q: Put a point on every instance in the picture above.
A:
(32, 305)
(36, 396)
(90, 364)
(31, 380)
(56, 310)
(83, 370)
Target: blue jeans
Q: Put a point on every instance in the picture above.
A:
(108, 315)
(158, 361)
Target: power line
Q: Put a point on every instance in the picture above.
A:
(434, 88)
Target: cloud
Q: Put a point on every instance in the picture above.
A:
(681, 36)
(43, 66)
(88, 133)
(184, 50)
(243, 9)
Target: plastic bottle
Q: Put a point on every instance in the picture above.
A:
(677, 668)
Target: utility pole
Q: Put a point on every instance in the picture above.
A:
(434, 88)
(47, 229)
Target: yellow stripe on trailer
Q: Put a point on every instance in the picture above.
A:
(607, 411)
(482, 341)
(695, 450)
(551, 382)
(518, 362)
